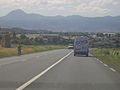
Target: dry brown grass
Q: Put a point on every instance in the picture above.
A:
(6, 52)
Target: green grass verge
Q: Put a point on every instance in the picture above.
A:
(27, 49)
(108, 56)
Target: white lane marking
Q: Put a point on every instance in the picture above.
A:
(106, 65)
(98, 60)
(42, 73)
(101, 62)
(113, 69)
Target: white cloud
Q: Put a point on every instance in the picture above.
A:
(86, 8)
(97, 6)
(103, 2)
(56, 1)
(56, 8)
(63, 1)
(27, 3)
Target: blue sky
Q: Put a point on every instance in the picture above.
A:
(88, 8)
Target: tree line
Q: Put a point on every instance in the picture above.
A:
(38, 41)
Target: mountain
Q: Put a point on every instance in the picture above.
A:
(76, 23)
(19, 30)
(21, 15)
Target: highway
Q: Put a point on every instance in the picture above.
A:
(57, 70)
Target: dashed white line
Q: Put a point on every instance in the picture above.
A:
(113, 69)
(101, 62)
(42, 73)
(106, 65)
(98, 60)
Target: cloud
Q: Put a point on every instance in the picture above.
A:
(103, 2)
(63, 1)
(41, 3)
(87, 8)
(84, 6)
(97, 6)
(56, 2)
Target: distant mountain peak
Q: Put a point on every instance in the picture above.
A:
(19, 18)
(20, 14)
(17, 12)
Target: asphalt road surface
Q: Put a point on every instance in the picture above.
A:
(57, 70)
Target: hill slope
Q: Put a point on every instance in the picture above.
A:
(19, 18)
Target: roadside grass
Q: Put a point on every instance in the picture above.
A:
(27, 49)
(108, 56)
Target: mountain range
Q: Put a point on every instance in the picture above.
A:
(74, 23)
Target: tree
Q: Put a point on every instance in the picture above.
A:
(23, 37)
(14, 35)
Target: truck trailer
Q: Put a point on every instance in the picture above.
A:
(81, 45)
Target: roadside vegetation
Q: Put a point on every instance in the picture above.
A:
(23, 39)
(108, 56)
(26, 49)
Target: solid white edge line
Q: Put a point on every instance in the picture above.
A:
(98, 60)
(101, 62)
(42, 73)
(113, 69)
(106, 65)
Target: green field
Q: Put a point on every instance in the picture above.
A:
(7, 52)
(108, 56)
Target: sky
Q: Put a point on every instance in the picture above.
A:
(87, 8)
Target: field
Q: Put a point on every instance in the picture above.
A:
(108, 56)
(7, 52)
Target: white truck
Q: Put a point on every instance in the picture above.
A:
(81, 45)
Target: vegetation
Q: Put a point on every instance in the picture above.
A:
(101, 40)
(105, 41)
(19, 30)
(6, 52)
(39, 41)
(108, 56)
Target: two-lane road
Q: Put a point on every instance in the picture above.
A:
(58, 72)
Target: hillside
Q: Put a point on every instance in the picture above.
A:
(19, 30)
(19, 18)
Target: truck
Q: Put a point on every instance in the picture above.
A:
(81, 45)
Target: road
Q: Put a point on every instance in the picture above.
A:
(56, 70)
